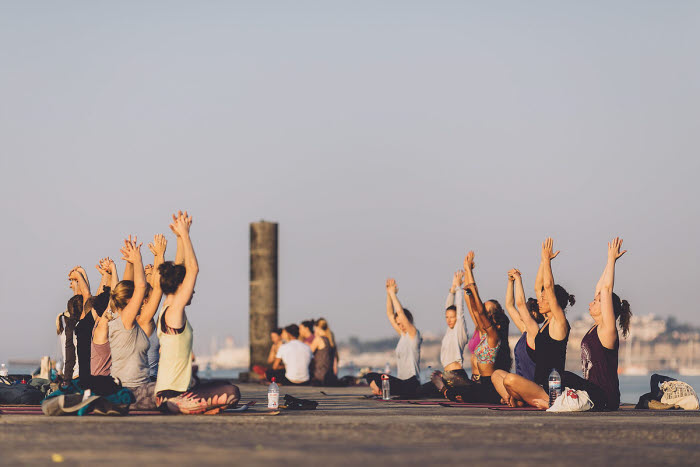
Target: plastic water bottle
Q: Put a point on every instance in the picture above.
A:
(554, 386)
(386, 391)
(3, 370)
(387, 368)
(273, 395)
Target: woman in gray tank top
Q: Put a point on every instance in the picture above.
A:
(407, 349)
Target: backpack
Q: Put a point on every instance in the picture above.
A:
(571, 400)
(680, 394)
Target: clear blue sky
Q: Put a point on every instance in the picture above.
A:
(386, 138)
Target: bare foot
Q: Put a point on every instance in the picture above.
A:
(375, 389)
(540, 404)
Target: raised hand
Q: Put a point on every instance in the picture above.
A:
(469, 261)
(614, 247)
(548, 253)
(131, 251)
(103, 266)
(457, 279)
(159, 244)
(391, 286)
(148, 270)
(181, 224)
(512, 274)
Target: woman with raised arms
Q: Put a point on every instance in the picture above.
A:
(407, 350)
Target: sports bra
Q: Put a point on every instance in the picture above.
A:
(484, 354)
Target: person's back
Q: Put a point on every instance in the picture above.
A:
(129, 348)
(408, 356)
(296, 357)
(323, 361)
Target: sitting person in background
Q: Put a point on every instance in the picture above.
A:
(276, 338)
(323, 347)
(291, 365)
(306, 331)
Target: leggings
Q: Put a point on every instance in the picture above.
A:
(398, 387)
(217, 394)
(595, 392)
(481, 391)
(281, 378)
(452, 378)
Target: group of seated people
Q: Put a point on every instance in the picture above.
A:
(303, 354)
(540, 349)
(122, 342)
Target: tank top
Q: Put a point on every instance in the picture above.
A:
(408, 356)
(549, 354)
(100, 358)
(83, 333)
(524, 365)
(599, 366)
(323, 360)
(129, 348)
(175, 363)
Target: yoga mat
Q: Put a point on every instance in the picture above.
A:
(473, 405)
(517, 409)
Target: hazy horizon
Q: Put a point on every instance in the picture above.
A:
(385, 139)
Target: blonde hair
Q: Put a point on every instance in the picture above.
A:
(121, 295)
(326, 332)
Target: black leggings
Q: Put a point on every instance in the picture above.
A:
(280, 377)
(480, 391)
(452, 379)
(597, 395)
(398, 387)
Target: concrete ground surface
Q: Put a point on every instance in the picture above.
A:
(346, 429)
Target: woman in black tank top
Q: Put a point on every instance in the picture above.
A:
(599, 347)
(550, 342)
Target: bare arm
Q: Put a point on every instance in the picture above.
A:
(510, 303)
(114, 276)
(607, 330)
(530, 324)
(277, 364)
(539, 281)
(558, 326)
(390, 310)
(179, 252)
(132, 254)
(175, 315)
(398, 309)
(479, 311)
(151, 307)
(105, 274)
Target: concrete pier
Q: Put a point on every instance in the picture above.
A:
(263, 289)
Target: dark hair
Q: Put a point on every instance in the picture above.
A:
(502, 324)
(451, 307)
(534, 308)
(309, 323)
(409, 315)
(171, 276)
(563, 297)
(623, 313)
(293, 329)
(277, 331)
(75, 307)
(147, 294)
(99, 303)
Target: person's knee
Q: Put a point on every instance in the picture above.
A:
(509, 381)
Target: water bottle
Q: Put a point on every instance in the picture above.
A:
(554, 386)
(387, 368)
(273, 395)
(3, 370)
(386, 392)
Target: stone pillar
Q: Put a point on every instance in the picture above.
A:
(263, 289)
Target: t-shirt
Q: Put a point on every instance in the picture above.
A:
(456, 338)
(296, 357)
(129, 348)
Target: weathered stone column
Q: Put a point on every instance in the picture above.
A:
(263, 289)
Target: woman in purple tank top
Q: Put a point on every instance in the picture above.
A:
(599, 347)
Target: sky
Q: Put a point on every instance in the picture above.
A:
(385, 138)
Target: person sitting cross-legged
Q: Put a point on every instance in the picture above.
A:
(291, 365)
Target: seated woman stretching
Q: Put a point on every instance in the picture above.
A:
(600, 345)
(407, 350)
(453, 342)
(173, 389)
(550, 341)
(527, 318)
(493, 351)
(293, 359)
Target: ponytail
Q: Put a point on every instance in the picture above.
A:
(623, 313)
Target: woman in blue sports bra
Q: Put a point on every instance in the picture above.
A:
(493, 351)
